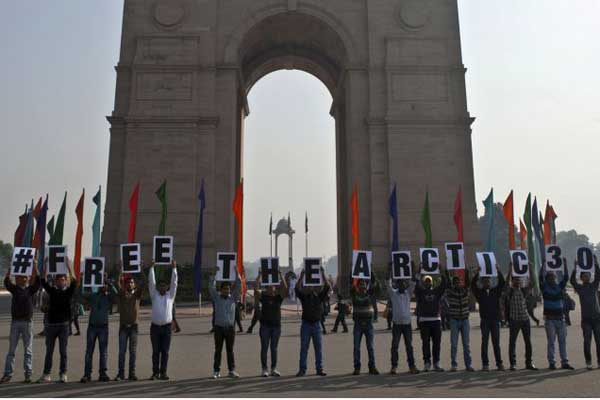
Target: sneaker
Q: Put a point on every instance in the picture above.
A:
(216, 375)
(154, 377)
(103, 378)
(63, 378)
(27, 378)
(513, 367)
(321, 373)
(453, 369)
(119, 378)
(501, 367)
(437, 368)
(485, 368)
(275, 373)
(552, 366)
(356, 371)
(164, 377)
(265, 373)
(85, 379)
(589, 366)
(45, 379)
(413, 370)
(531, 367)
(470, 369)
(77, 334)
(132, 376)
(567, 366)
(5, 379)
(394, 371)
(373, 371)
(426, 367)
(346, 331)
(301, 373)
(233, 374)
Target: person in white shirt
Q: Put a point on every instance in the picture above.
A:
(163, 297)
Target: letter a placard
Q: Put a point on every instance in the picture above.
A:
(162, 250)
(269, 271)
(361, 264)
(93, 272)
(226, 267)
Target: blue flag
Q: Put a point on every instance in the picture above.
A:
(489, 211)
(537, 229)
(41, 228)
(28, 237)
(198, 255)
(394, 215)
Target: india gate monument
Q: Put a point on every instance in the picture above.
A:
(393, 67)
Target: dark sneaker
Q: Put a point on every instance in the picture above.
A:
(27, 378)
(119, 378)
(103, 378)
(373, 371)
(513, 367)
(567, 366)
(470, 369)
(485, 368)
(531, 367)
(552, 367)
(5, 379)
(85, 379)
(154, 377)
(133, 377)
(164, 377)
(321, 373)
(356, 371)
(501, 367)
(413, 370)
(301, 373)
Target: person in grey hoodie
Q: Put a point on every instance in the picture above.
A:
(590, 311)
(400, 293)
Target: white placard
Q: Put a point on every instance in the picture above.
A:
(520, 263)
(312, 271)
(554, 261)
(401, 264)
(57, 260)
(455, 256)
(226, 267)
(585, 260)
(22, 261)
(131, 258)
(430, 260)
(269, 271)
(162, 250)
(93, 272)
(361, 264)
(487, 264)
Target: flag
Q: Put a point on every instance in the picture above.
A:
(271, 225)
(161, 193)
(509, 214)
(537, 230)
(78, 235)
(488, 203)
(523, 235)
(58, 229)
(306, 222)
(238, 211)
(553, 223)
(20, 232)
(50, 228)
(426, 222)
(28, 235)
(198, 255)
(548, 222)
(40, 233)
(133, 208)
(394, 214)
(458, 217)
(354, 209)
(97, 199)
(36, 216)
(530, 249)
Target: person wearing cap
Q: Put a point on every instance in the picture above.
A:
(458, 296)
(428, 314)
(552, 292)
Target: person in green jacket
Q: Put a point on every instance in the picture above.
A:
(100, 303)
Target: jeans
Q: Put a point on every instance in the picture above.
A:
(20, 329)
(127, 334)
(397, 332)
(160, 335)
(460, 326)
(525, 328)
(100, 333)
(490, 327)
(53, 332)
(308, 331)
(269, 337)
(554, 328)
(364, 328)
(431, 331)
(590, 327)
(226, 335)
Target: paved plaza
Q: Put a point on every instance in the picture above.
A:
(190, 366)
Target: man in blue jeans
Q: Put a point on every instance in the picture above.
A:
(363, 315)
(129, 305)
(100, 303)
(400, 294)
(552, 292)
(312, 310)
(458, 311)
(21, 325)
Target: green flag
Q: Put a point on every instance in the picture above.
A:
(161, 193)
(530, 248)
(50, 227)
(96, 224)
(426, 222)
(488, 203)
(57, 236)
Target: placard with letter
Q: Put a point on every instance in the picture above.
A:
(131, 258)
(401, 264)
(487, 264)
(520, 263)
(430, 260)
(93, 272)
(226, 267)
(22, 261)
(585, 260)
(361, 264)
(162, 250)
(455, 256)
(57, 260)
(312, 272)
(269, 271)
(554, 261)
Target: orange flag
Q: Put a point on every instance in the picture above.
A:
(78, 236)
(458, 217)
(354, 208)
(523, 235)
(36, 214)
(133, 209)
(509, 215)
(550, 215)
(238, 211)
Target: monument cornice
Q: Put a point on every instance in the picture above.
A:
(145, 120)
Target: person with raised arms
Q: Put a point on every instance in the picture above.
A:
(590, 310)
(458, 295)
(129, 298)
(312, 310)
(518, 321)
(400, 293)
(552, 292)
(270, 299)
(363, 315)
(163, 297)
(489, 298)
(428, 314)
(100, 303)
(59, 319)
(21, 326)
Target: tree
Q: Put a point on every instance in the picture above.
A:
(6, 250)
(570, 241)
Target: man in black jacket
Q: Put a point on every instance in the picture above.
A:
(59, 319)
(21, 325)
(488, 298)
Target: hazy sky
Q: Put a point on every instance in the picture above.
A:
(532, 84)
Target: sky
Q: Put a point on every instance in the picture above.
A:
(532, 84)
